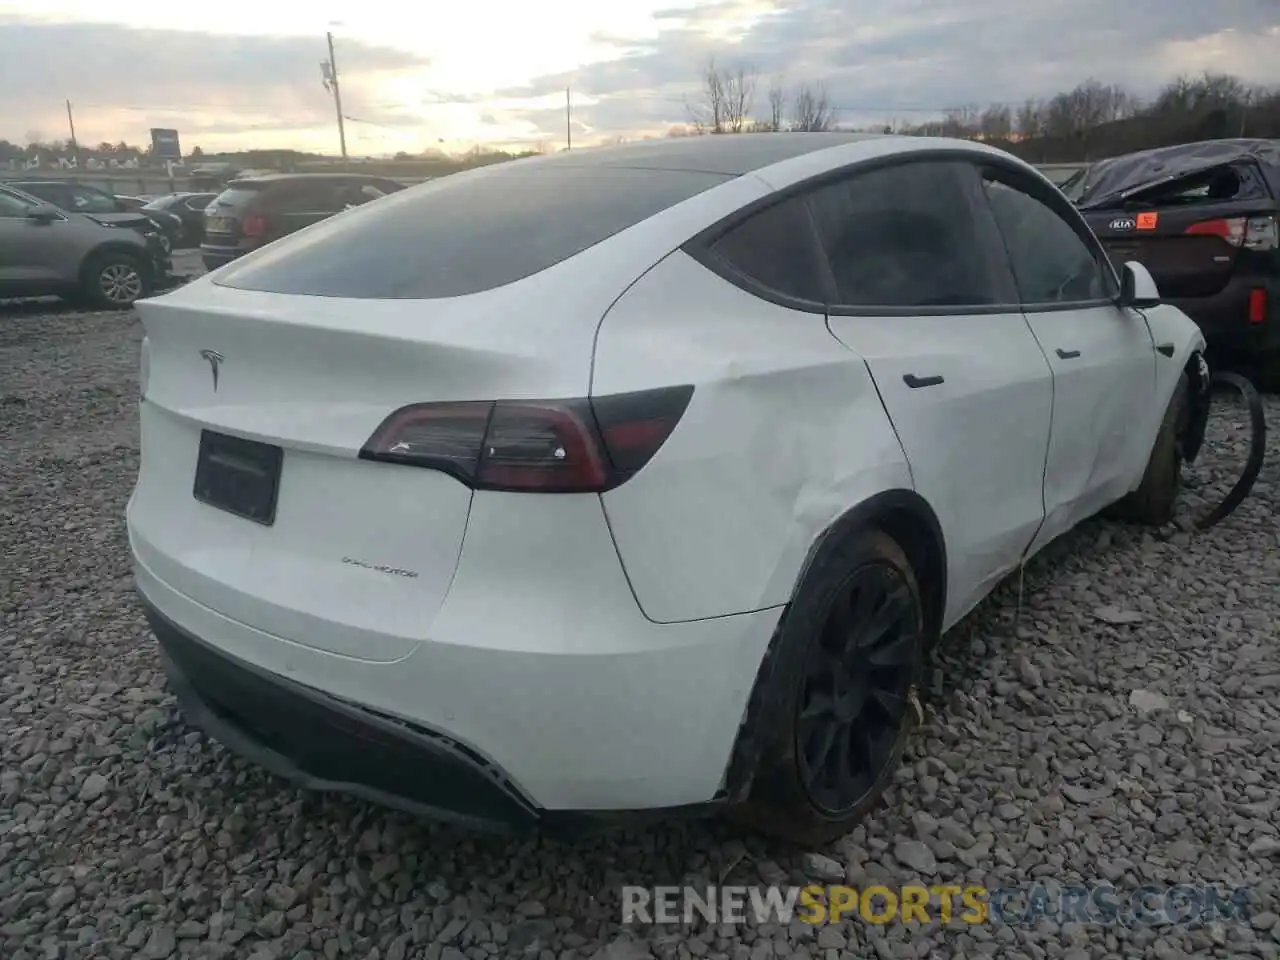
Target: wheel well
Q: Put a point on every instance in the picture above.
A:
(907, 518)
(921, 542)
(902, 515)
(114, 246)
(1194, 415)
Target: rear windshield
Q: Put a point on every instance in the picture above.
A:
(466, 233)
(237, 196)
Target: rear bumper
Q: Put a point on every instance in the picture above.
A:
(323, 743)
(539, 689)
(215, 257)
(1224, 317)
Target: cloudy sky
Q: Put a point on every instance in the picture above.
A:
(238, 74)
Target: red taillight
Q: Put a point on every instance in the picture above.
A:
(1257, 305)
(533, 446)
(254, 226)
(1230, 230)
(1255, 233)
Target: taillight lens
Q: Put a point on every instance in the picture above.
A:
(1257, 305)
(1253, 233)
(533, 446)
(254, 225)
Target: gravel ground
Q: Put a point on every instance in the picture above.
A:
(124, 833)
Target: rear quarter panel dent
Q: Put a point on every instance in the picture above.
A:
(785, 433)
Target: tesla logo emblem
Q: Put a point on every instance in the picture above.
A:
(215, 361)
(1122, 223)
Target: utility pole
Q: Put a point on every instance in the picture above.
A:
(329, 69)
(568, 120)
(75, 149)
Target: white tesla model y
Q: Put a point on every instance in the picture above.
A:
(638, 478)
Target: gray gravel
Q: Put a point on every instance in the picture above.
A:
(1123, 726)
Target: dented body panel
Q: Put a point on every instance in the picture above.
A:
(785, 427)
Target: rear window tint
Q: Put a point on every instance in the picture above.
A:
(466, 233)
(777, 248)
(237, 196)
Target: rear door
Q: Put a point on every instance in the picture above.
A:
(1102, 356)
(925, 297)
(1188, 232)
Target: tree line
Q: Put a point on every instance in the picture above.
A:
(1091, 121)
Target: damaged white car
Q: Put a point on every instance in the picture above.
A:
(636, 479)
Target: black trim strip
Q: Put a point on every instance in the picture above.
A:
(327, 744)
(700, 246)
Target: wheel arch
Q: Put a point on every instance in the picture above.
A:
(114, 246)
(908, 519)
(1195, 418)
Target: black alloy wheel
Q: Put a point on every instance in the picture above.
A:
(856, 689)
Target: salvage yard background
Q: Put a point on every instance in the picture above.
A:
(125, 833)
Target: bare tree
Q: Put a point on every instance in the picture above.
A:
(963, 121)
(726, 99)
(996, 122)
(777, 105)
(1030, 121)
(811, 110)
(740, 91)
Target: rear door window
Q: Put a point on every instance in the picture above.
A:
(84, 200)
(468, 232)
(357, 194)
(306, 197)
(913, 235)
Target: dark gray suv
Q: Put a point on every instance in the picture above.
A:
(103, 260)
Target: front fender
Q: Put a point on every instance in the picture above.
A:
(1171, 328)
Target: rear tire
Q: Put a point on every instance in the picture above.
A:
(1155, 500)
(114, 281)
(832, 706)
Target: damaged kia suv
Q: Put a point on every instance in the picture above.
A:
(1202, 218)
(634, 480)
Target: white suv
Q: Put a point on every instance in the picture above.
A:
(637, 478)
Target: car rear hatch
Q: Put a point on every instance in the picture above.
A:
(252, 497)
(1189, 231)
(224, 218)
(266, 382)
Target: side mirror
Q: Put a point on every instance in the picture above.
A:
(41, 214)
(1137, 288)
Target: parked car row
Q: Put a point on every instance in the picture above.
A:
(75, 197)
(103, 258)
(253, 211)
